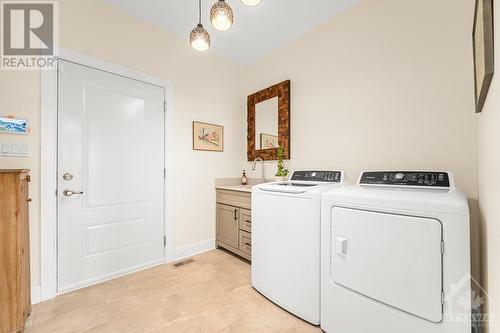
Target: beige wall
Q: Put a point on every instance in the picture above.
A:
(489, 188)
(20, 96)
(204, 90)
(385, 85)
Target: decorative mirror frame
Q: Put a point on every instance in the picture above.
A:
(282, 91)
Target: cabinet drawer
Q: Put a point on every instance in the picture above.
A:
(234, 198)
(245, 220)
(245, 242)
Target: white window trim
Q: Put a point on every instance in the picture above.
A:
(48, 167)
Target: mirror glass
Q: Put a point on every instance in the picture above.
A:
(266, 124)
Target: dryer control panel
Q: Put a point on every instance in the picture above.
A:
(406, 178)
(318, 176)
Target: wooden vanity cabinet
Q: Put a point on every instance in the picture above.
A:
(234, 222)
(15, 286)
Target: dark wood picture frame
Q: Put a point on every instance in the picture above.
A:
(483, 46)
(215, 149)
(282, 91)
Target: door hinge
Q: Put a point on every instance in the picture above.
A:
(56, 192)
(164, 173)
(442, 297)
(165, 106)
(442, 247)
(164, 241)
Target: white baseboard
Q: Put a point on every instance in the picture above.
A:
(194, 249)
(36, 294)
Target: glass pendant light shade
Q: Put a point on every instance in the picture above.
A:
(199, 38)
(251, 3)
(221, 16)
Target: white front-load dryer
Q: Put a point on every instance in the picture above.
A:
(395, 255)
(286, 240)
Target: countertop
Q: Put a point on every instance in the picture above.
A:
(234, 184)
(14, 170)
(239, 188)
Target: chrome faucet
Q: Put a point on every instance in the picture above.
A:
(262, 178)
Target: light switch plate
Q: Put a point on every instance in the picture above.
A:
(5, 148)
(14, 149)
(8, 149)
(24, 150)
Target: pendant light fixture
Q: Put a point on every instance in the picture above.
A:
(251, 3)
(221, 16)
(199, 37)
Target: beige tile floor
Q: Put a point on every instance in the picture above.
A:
(212, 294)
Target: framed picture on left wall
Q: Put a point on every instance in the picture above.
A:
(13, 125)
(208, 137)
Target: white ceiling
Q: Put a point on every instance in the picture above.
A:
(256, 30)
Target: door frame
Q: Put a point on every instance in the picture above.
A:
(48, 162)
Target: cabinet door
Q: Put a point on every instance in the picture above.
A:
(227, 225)
(8, 253)
(24, 239)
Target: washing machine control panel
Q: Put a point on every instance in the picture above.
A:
(318, 176)
(406, 178)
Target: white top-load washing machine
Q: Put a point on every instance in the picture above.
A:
(395, 255)
(286, 240)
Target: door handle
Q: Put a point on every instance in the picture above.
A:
(69, 193)
(342, 245)
(235, 214)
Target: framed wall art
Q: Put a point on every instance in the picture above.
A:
(268, 141)
(13, 125)
(208, 137)
(482, 37)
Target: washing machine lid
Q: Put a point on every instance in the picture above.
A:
(395, 260)
(304, 181)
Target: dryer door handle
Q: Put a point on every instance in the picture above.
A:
(342, 246)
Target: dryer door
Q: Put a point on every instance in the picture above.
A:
(392, 259)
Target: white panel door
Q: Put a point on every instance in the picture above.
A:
(111, 149)
(393, 259)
